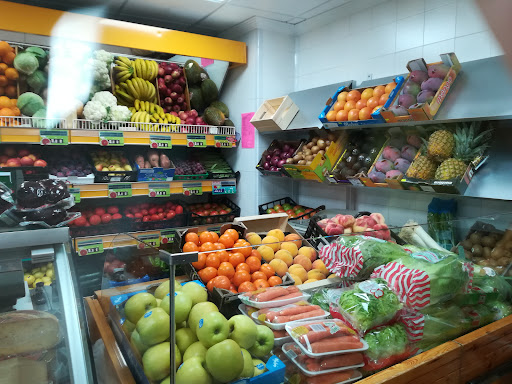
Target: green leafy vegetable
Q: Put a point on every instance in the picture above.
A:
(386, 341)
(325, 296)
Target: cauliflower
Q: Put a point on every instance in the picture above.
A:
(100, 72)
(105, 98)
(119, 113)
(104, 56)
(95, 111)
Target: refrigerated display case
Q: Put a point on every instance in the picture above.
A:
(44, 338)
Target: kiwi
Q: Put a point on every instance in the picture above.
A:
(477, 250)
(497, 253)
(310, 158)
(310, 145)
(476, 238)
(467, 244)
(486, 253)
(488, 241)
(503, 261)
(314, 140)
(315, 149)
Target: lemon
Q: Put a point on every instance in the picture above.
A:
(47, 283)
(37, 281)
(38, 275)
(43, 269)
(46, 279)
(50, 273)
(29, 279)
(35, 270)
(49, 265)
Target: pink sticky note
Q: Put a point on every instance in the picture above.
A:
(247, 130)
(206, 62)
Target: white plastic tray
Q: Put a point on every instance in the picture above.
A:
(245, 311)
(273, 303)
(294, 324)
(293, 357)
(281, 326)
(282, 340)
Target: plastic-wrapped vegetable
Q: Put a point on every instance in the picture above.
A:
(369, 304)
(426, 277)
(325, 296)
(358, 256)
(440, 216)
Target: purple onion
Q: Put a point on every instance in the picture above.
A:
(275, 160)
(285, 155)
(274, 169)
(281, 162)
(286, 148)
(268, 157)
(277, 152)
(291, 152)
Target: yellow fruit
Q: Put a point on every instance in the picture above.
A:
(316, 274)
(309, 252)
(319, 264)
(290, 247)
(277, 233)
(49, 265)
(37, 281)
(254, 239)
(296, 279)
(332, 275)
(47, 283)
(266, 253)
(310, 281)
(285, 256)
(46, 279)
(272, 242)
(279, 266)
(298, 270)
(303, 261)
(295, 238)
(29, 279)
(34, 270)
(43, 269)
(50, 273)
(38, 275)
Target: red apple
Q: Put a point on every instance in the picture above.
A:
(95, 220)
(223, 212)
(129, 215)
(117, 216)
(99, 167)
(40, 163)
(26, 161)
(33, 157)
(23, 152)
(13, 162)
(10, 151)
(138, 215)
(214, 213)
(146, 218)
(112, 210)
(106, 218)
(100, 211)
(80, 221)
(155, 217)
(179, 209)
(3, 159)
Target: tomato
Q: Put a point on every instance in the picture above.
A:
(155, 217)
(146, 219)
(226, 269)
(179, 209)
(171, 214)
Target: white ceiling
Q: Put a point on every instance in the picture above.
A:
(210, 17)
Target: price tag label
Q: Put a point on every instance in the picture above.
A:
(190, 189)
(75, 192)
(53, 137)
(146, 241)
(356, 182)
(160, 141)
(116, 191)
(89, 247)
(223, 187)
(427, 188)
(223, 141)
(111, 139)
(159, 190)
(167, 236)
(196, 141)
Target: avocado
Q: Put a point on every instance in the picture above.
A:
(210, 91)
(194, 72)
(213, 116)
(196, 98)
(228, 123)
(220, 105)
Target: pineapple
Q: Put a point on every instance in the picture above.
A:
(422, 168)
(467, 147)
(440, 145)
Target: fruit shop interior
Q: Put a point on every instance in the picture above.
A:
(217, 175)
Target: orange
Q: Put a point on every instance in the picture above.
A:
(232, 288)
(349, 105)
(367, 93)
(212, 260)
(227, 241)
(361, 104)
(258, 275)
(206, 247)
(3, 67)
(223, 255)
(221, 282)
(354, 95)
(2, 91)
(233, 233)
(226, 269)
(246, 287)
(236, 258)
(365, 113)
(4, 48)
(342, 96)
(215, 237)
(209, 285)
(261, 284)
(342, 115)
(219, 246)
(390, 87)
(255, 253)
(383, 99)
(246, 249)
(268, 270)
(8, 58)
(190, 247)
(253, 263)
(16, 111)
(373, 102)
(378, 91)
(12, 74)
(201, 261)
(3, 81)
(5, 102)
(192, 237)
(14, 102)
(338, 105)
(206, 274)
(205, 237)
(353, 114)
(239, 243)
(11, 91)
(241, 277)
(6, 112)
(243, 267)
(331, 116)
(274, 280)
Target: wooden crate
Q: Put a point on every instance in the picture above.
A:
(275, 114)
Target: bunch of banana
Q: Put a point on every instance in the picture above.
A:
(123, 69)
(146, 106)
(145, 69)
(139, 116)
(136, 88)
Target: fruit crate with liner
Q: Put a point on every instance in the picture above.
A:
(112, 176)
(266, 157)
(438, 77)
(153, 165)
(306, 213)
(375, 112)
(198, 219)
(322, 163)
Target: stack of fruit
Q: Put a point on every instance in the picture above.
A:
(228, 262)
(172, 87)
(97, 216)
(359, 105)
(191, 168)
(135, 80)
(307, 152)
(216, 165)
(105, 161)
(14, 157)
(146, 112)
(373, 225)
(209, 213)
(277, 155)
(32, 64)
(286, 254)
(8, 81)
(65, 164)
(153, 212)
(210, 346)
(39, 273)
(447, 155)
(293, 211)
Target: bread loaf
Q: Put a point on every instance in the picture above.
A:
(19, 370)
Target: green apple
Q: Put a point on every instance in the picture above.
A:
(259, 367)
(162, 290)
(153, 327)
(184, 338)
(197, 349)
(248, 370)
(157, 361)
(181, 325)
(242, 330)
(167, 380)
(139, 304)
(128, 327)
(193, 372)
(264, 341)
(198, 311)
(225, 361)
(137, 343)
(182, 306)
(212, 329)
(196, 292)
(158, 301)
